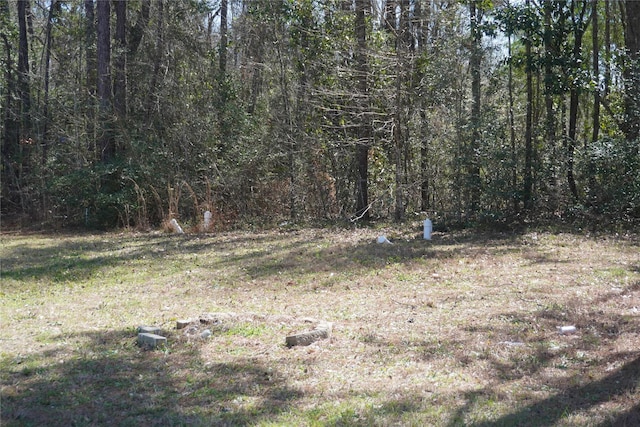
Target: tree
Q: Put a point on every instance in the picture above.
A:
(475, 63)
(106, 144)
(527, 193)
(579, 25)
(11, 194)
(224, 5)
(550, 53)
(23, 73)
(91, 69)
(400, 129)
(317, 108)
(53, 7)
(364, 131)
(120, 60)
(631, 70)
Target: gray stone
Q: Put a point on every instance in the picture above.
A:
(151, 340)
(149, 330)
(181, 324)
(306, 338)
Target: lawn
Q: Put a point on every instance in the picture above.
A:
(461, 330)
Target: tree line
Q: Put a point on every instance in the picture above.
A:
(132, 113)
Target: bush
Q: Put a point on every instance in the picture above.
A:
(102, 197)
(611, 169)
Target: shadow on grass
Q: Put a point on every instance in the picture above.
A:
(629, 418)
(108, 380)
(76, 259)
(570, 400)
(393, 412)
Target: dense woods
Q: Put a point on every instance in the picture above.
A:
(131, 113)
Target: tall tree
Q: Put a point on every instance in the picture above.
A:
(631, 71)
(23, 72)
(399, 120)
(137, 30)
(511, 116)
(475, 63)
(106, 143)
(120, 60)
(364, 130)
(596, 71)
(157, 59)
(579, 25)
(607, 48)
(595, 133)
(10, 136)
(90, 70)
(421, 13)
(53, 7)
(222, 54)
(550, 52)
(527, 193)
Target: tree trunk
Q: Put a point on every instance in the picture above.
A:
(10, 128)
(550, 123)
(136, 32)
(607, 48)
(424, 164)
(106, 145)
(289, 127)
(475, 63)
(422, 20)
(596, 71)
(23, 72)
(528, 133)
(631, 72)
(578, 30)
(223, 38)
(120, 60)
(11, 193)
(512, 132)
(399, 137)
(91, 71)
(47, 61)
(364, 132)
(596, 94)
(157, 60)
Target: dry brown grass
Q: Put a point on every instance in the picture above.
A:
(461, 330)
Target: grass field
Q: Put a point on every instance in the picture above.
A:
(457, 331)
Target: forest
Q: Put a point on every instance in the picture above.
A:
(131, 113)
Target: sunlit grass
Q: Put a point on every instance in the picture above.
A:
(461, 330)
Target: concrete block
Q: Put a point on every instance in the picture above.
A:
(151, 340)
(149, 330)
(181, 324)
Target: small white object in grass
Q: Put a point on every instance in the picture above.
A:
(175, 226)
(383, 239)
(512, 343)
(205, 334)
(566, 330)
(428, 228)
(208, 216)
